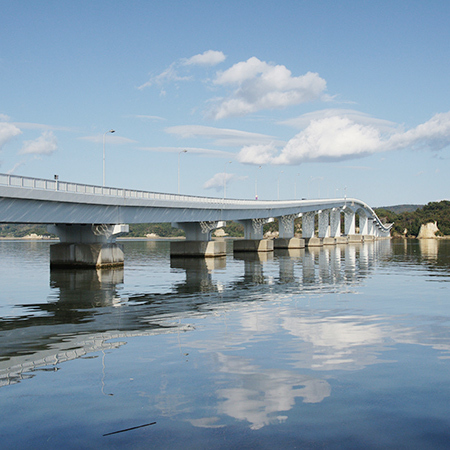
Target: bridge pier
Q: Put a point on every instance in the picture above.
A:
(86, 246)
(308, 230)
(253, 237)
(286, 233)
(198, 241)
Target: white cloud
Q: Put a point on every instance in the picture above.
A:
(218, 180)
(221, 136)
(16, 166)
(170, 74)
(45, 144)
(146, 117)
(7, 131)
(260, 85)
(331, 137)
(208, 58)
(109, 138)
(195, 150)
(432, 135)
(257, 154)
(304, 120)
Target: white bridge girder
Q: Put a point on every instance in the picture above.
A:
(32, 200)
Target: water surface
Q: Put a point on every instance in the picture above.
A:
(339, 347)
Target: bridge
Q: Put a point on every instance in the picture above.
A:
(88, 219)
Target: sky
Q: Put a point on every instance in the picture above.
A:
(275, 99)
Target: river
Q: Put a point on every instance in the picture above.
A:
(338, 347)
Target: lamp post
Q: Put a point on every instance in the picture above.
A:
(104, 137)
(225, 179)
(256, 183)
(179, 153)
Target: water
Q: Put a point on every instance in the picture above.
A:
(340, 347)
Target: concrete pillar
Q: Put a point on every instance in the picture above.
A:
(253, 228)
(308, 225)
(194, 231)
(286, 226)
(84, 246)
(198, 241)
(335, 222)
(371, 227)
(363, 224)
(286, 237)
(253, 237)
(324, 223)
(349, 217)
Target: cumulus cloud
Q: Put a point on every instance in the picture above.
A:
(257, 154)
(221, 136)
(259, 85)
(7, 131)
(432, 135)
(45, 144)
(218, 181)
(333, 137)
(208, 58)
(330, 139)
(304, 120)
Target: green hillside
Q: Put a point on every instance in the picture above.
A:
(412, 220)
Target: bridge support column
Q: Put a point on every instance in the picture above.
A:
(324, 228)
(253, 237)
(349, 222)
(286, 237)
(198, 241)
(363, 224)
(86, 246)
(335, 226)
(308, 230)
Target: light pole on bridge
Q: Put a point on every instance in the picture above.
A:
(104, 137)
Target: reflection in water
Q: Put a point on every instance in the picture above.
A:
(198, 273)
(265, 393)
(429, 248)
(270, 334)
(86, 310)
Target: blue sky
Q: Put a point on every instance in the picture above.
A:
(287, 99)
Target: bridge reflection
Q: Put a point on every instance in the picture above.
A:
(87, 309)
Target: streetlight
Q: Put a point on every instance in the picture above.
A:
(179, 153)
(225, 179)
(256, 183)
(104, 136)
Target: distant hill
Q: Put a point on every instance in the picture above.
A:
(407, 222)
(398, 209)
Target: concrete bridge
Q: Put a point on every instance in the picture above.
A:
(87, 219)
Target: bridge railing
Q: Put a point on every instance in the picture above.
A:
(64, 186)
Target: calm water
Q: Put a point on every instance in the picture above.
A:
(340, 347)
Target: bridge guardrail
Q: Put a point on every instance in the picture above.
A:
(64, 186)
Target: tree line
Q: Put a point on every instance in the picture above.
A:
(407, 223)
